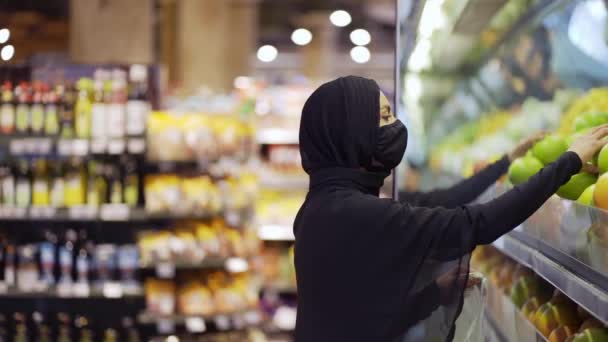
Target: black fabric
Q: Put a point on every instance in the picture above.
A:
(463, 192)
(366, 266)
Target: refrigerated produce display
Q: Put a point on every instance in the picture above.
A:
(521, 67)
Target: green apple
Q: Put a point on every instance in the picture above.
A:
(597, 118)
(525, 288)
(576, 185)
(550, 148)
(602, 159)
(586, 197)
(523, 168)
(582, 122)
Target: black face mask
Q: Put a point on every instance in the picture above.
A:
(392, 141)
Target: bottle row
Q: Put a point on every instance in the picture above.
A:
(111, 105)
(63, 327)
(74, 182)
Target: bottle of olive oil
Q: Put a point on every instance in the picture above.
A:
(41, 196)
(23, 185)
(51, 110)
(37, 109)
(83, 108)
(67, 113)
(23, 115)
(7, 109)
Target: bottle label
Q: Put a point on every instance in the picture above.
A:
(82, 268)
(98, 120)
(23, 193)
(51, 122)
(116, 120)
(41, 192)
(37, 118)
(8, 191)
(137, 114)
(7, 117)
(57, 193)
(83, 122)
(23, 117)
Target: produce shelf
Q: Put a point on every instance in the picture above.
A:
(581, 283)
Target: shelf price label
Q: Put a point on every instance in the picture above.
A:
(114, 212)
(42, 212)
(165, 326)
(165, 270)
(222, 322)
(195, 325)
(136, 146)
(82, 212)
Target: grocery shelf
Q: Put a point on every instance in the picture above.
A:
(200, 323)
(104, 213)
(167, 269)
(23, 145)
(584, 285)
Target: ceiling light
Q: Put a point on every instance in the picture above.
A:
(7, 52)
(5, 34)
(360, 54)
(267, 53)
(301, 36)
(360, 37)
(340, 18)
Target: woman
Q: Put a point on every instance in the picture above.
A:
(358, 257)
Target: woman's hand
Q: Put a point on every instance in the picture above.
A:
(522, 148)
(452, 282)
(586, 146)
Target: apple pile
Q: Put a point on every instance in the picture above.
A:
(584, 187)
(555, 316)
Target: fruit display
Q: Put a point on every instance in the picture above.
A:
(547, 310)
(594, 101)
(491, 136)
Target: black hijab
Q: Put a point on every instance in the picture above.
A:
(339, 125)
(366, 266)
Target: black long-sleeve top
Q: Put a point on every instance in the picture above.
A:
(462, 192)
(359, 256)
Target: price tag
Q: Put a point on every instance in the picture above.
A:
(114, 212)
(81, 290)
(64, 289)
(165, 326)
(42, 212)
(195, 325)
(80, 147)
(42, 146)
(17, 147)
(238, 322)
(98, 146)
(136, 146)
(19, 213)
(222, 322)
(29, 146)
(252, 317)
(112, 290)
(165, 270)
(116, 146)
(82, 212)
(64, 147)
